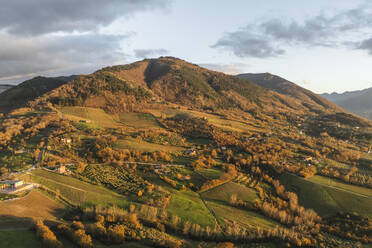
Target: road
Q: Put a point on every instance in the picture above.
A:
(33, 167)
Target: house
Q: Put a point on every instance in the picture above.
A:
(308, 159)
(21, 151)
(66, 140)
(85, 121)
(15, 184)
(61, 169)
(191, 152)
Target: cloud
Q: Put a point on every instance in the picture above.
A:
(365, 45)
(146, 53)
(271, 38)
(51, 36)
(36, 17)
(232, 68)
(22, 57)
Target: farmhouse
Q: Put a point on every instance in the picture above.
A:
(15, 184)
(66, 140)
(20, 151)
(85, 121)
(191, 152)
(61, 169)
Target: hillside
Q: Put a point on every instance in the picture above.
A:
(164, 153)
(4, 87)
(285, 87)
(18, 96)
(358, 102)
(169, 80)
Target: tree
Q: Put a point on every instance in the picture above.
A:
(3, 173)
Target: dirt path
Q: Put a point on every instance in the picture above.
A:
(212, 213)
(66, 185)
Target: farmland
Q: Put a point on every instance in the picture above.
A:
(77, 191)
(34, 205)
(329, 200)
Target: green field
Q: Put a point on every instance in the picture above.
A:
(218, 121)
(97, 116)
(327, 200)
(188, 206)
(136, 144)
(224, 192)
(209, 173)
(218, 198)
(19, 239)
(338, 184)
(78, 191)
(245, 217)
(139, 120)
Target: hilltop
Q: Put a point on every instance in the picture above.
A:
(358, 102)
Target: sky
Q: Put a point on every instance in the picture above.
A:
(325, 46)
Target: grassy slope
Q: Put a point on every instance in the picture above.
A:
(34, 205)
(78, 191)
(98, 116)
(218, 200)
(326, 200)
(139, 120)
(135, 144)
(188, 206)
(19, 239)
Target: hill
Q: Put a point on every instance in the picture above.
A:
(358, 102)
(285, 87)
(142, 84)
(18, 96)
(4, 87)
(164, 153)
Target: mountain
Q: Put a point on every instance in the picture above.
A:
(167, 79)
(305, 97)
(18, 96)
(4, 87)
(358, 102)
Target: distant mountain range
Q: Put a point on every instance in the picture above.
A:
(358, 102)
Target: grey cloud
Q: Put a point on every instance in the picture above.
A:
(25, 17)
(272, 37)
(365, 45)
(245, 44)
(146, 53)
(22, 57)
